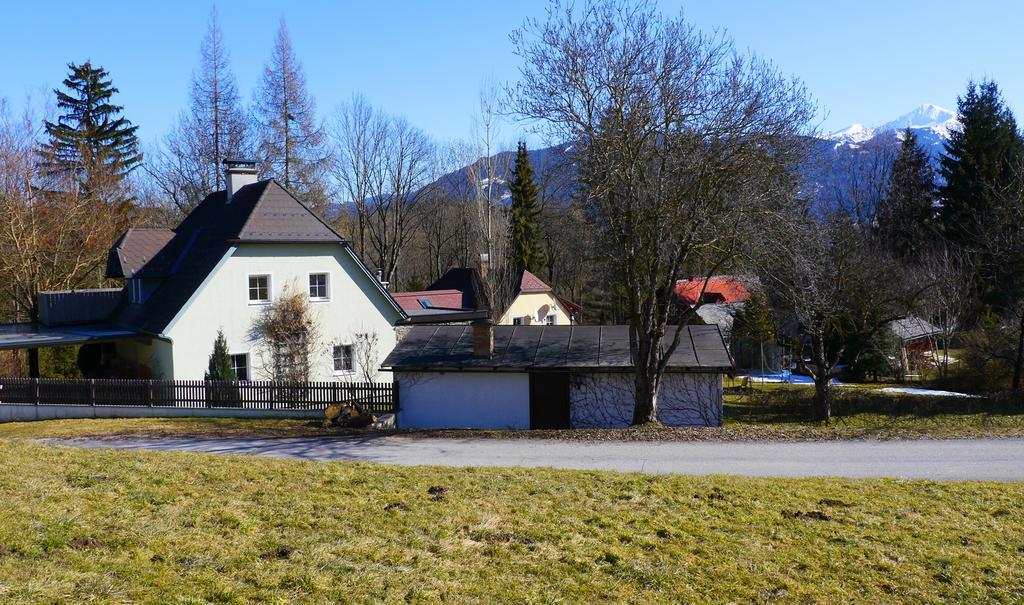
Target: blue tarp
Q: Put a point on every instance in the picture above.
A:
(784, 376)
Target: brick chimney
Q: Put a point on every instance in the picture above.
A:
(483, 338)
(238, 173)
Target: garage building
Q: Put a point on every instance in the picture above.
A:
(520, 377)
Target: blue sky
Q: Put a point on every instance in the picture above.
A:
(866, 61)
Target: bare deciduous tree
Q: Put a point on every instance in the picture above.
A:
(951, 295)
(398, 184)
(53, 236)
(842, 287)
(680, 139)
(357, 135)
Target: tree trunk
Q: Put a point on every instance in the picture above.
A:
(1018, 362)
(33, 363)
(645, 408)
(822, 401)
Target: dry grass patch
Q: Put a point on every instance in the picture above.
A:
(123, 526)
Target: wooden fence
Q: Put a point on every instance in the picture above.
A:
(375, 397)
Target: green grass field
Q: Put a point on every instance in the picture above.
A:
(114, 526)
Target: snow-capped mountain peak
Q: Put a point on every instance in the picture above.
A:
(857, 133)
(933, 118)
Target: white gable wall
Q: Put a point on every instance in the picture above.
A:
(533, 307)
(223, 303)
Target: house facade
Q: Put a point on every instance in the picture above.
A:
(536, 303)
(236, 253)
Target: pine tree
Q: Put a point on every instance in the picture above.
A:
(214, 127)
(906, 213)
(525, 216)
(291, 145)
(91, 142)
(219, 367)
(977, 163)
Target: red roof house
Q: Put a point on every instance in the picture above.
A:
(428, 299)
(722, 289)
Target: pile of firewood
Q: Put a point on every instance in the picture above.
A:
(351, 415)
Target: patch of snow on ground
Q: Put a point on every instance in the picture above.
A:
(932, 392)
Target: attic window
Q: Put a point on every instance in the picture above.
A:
(426, 304)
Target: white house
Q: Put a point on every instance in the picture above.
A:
(522, 377)
(230, 258)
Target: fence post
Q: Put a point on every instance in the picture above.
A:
(35, 383)
(150, 382)
(92, 392)
(394, 396)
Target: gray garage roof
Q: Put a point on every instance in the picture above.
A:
(580, 348)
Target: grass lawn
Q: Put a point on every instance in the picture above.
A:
(863, 411)
(121, 526)
(767, 412)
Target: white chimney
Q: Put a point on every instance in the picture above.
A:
(238, 173)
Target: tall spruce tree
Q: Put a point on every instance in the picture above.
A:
(214, 127)
(525, 216)
(906, 213)
(90, 142)
(977, 163)
(291, 138)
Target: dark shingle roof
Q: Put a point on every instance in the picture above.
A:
(467, 281)
(912, 328)
(596, 348)
(133, 250)
(260, 212)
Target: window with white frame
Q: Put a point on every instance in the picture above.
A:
(240, 365)
(551, 319)
(318, 289)
(343, 359)
(259, 289)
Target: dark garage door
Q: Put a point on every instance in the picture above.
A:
(549, 400)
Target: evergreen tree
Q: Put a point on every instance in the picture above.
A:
(91, 142)
(977, 163)
(525, 216)
(291, 139)
(219, 367)
(906, 212)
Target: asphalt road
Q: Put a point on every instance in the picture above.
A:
(954, 459)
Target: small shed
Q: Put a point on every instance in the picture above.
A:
(522, 377)
(917, 340)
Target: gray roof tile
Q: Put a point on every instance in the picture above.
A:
(433, 348)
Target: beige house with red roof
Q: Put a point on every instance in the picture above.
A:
(537, 303)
